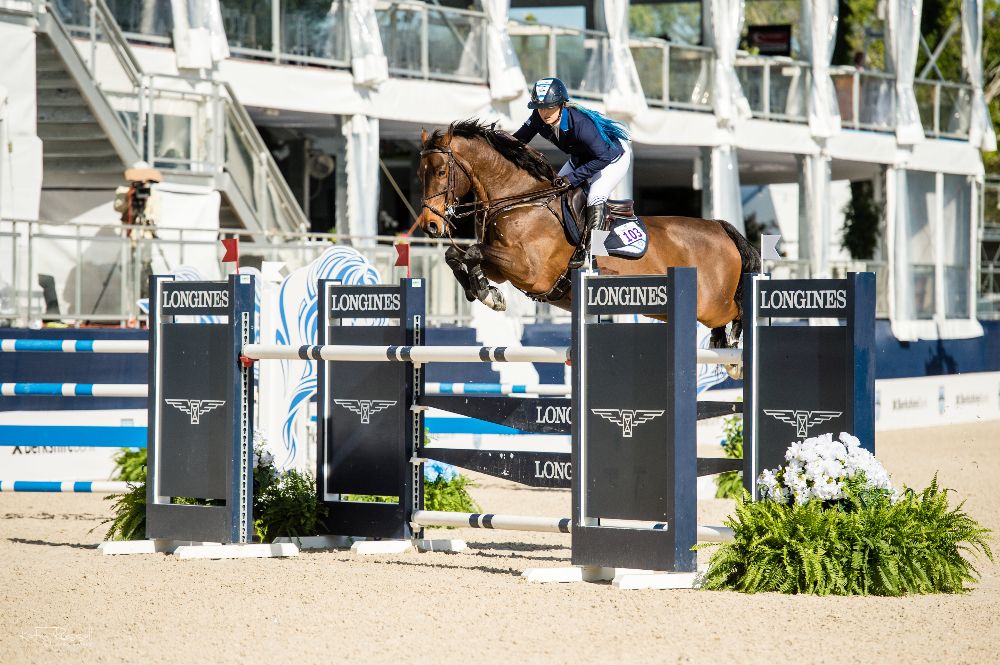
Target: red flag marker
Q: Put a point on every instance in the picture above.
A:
(232, 246)
(403, 256)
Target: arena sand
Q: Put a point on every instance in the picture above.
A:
(62, 602)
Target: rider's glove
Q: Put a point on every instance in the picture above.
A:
(560, 182)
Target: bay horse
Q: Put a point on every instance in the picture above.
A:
(520, 237)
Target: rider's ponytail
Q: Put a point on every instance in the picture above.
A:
(610, 130)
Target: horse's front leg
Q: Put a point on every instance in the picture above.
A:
(455, 258)
(486, 293)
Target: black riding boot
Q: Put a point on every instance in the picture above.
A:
(596, 216)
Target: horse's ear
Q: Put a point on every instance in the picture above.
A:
(423, 136)
(446, 141)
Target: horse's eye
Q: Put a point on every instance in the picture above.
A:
(441, 173)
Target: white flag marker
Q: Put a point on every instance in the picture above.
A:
(769, 247)
(597, 240)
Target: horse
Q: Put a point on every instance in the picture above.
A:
(520, 237)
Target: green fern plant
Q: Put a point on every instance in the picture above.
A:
(450, 495)
(287, 506)
(130, 465)
(439, 494)
(863, 545)
(129, 513)
(729, 484)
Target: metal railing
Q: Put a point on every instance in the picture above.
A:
(177, 123)
(578, 57)
(674, 75)
(306, 33)
(801, 269)
(100, 273)
(867, 99)
(433, 42)
(945, 108)
(776, 87)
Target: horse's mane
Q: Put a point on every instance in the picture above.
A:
(522, 156)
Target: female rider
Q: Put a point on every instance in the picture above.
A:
(598, 148)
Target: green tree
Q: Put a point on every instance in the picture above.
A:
(861, 221)
(678, 22)
(991, 78)
(857, 18)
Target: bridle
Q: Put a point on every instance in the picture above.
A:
(484, 211)
(451, 209)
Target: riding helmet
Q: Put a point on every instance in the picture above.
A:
(548, 92)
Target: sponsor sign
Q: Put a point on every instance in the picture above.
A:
(790, 411)
(364, 301)
(365, 408)
(195, 408)
(194, 298)
(628, 295)
(627, 419)
(937, 400)
(803, 298)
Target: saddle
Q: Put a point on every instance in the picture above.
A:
(627, 237)
(574, 205)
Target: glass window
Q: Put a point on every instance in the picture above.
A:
(918, 294)
(957, 236)
(247, 24)
(151, 17)
(313, 28)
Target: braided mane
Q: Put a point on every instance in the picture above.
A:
(522, 156)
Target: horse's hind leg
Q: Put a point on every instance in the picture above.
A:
(718, 340)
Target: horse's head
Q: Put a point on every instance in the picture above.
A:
(444, 180)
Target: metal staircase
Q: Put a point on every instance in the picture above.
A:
(98, 112)
(84, 142)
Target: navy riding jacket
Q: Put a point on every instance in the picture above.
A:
(578, 137)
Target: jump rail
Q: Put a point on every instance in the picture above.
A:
(77, 486)
(74, 389)
(555, 389)
(436, 518)
(73, 346)
(452, 354)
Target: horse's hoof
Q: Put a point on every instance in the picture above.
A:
(494, 300)
(735, 372)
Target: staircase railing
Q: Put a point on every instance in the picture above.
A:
(221, 138)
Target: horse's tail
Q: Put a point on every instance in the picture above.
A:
(749, 259)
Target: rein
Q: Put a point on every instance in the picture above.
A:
(484, 211)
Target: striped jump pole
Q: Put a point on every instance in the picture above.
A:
(555, 389)
(450, 354)
(437, 518)
(412, 354)
(73, 486)
(74, 389)
(73, 346)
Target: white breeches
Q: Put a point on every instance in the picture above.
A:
(604, 181)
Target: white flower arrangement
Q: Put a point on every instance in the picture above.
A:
(262, 457)
(818, 468)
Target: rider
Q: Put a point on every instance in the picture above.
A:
(598, 148)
